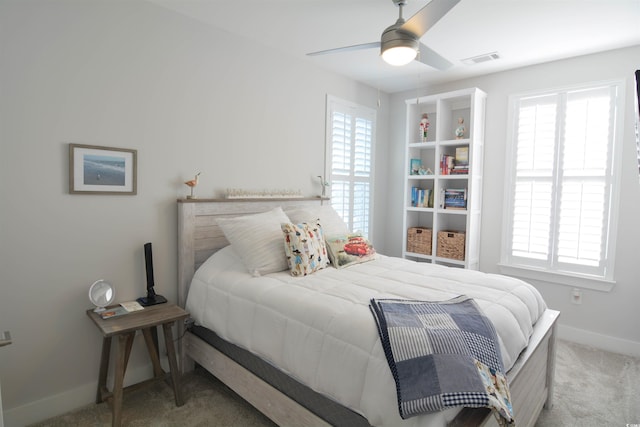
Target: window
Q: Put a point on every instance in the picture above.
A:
(350, 141)
(562, 194)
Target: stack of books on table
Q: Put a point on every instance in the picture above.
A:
(121, 309)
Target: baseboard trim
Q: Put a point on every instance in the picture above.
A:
(600, 341)
(70, 400)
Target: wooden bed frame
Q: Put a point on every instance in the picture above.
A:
(530, 379)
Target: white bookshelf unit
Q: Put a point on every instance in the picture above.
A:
(460, 213)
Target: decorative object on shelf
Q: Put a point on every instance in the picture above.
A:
(461, 162)
(239, 193)
(102, 170)
(101, 294)
(424, 127)
(192, 184)
(460, 128)
(324, 185)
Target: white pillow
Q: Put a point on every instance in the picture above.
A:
(257, 239)
(332, 223)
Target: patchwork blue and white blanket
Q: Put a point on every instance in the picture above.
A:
(442, 354)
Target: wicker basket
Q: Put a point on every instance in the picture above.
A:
(451, 244)
(419, 240)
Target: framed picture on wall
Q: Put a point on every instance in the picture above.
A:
(102, 170)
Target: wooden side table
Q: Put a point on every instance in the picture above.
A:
(124, 328)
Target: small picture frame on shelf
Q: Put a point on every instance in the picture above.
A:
(415, 167)
(102, 170)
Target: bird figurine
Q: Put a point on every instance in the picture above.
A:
(192, 183)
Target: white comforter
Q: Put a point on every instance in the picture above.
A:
(320, 331)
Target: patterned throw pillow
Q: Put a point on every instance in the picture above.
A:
(304, 247)
(349, 249)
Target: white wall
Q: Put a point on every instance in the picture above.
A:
(190, 99)
(608, 320)
(193, 99)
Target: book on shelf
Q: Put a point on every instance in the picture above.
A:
(461, 162)
(416, 165)
(460, 170)
(453, 198)
(462, 156)
(457, 164)
(447, 162)
(421, 197)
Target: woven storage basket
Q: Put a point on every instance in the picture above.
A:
(419, 240)
(451, 244)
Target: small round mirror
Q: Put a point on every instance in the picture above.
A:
(101, 294)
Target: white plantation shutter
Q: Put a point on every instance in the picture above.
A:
(562, 182)
(585, 169)
(350, 141)
(534, 178)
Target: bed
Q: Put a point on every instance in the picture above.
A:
(288, 394)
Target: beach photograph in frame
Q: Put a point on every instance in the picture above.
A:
(102, 170)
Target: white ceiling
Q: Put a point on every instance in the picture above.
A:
(522, 32)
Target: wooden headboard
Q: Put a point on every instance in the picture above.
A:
(199, 235)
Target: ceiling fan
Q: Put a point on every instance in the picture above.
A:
(400, 43)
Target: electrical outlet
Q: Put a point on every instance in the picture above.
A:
(5, 338)
(576, 296)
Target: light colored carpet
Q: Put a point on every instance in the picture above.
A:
(208, 402)
(594, 388)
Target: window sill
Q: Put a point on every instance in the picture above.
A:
(572, 280)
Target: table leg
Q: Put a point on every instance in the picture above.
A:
(104, 368)
(127, 352)
(154, 335)
(152, 347)
(125, 342)
(173, 363)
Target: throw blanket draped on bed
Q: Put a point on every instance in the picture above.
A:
(442, 354)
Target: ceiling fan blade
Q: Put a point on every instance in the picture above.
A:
(430, 57)
(346, 49)
(427, 17)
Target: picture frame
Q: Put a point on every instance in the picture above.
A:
(102, 170)
(415, 166)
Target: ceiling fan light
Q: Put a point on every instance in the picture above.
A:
(399, 55)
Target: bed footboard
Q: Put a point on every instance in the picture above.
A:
(530, 379)
(531, 382)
